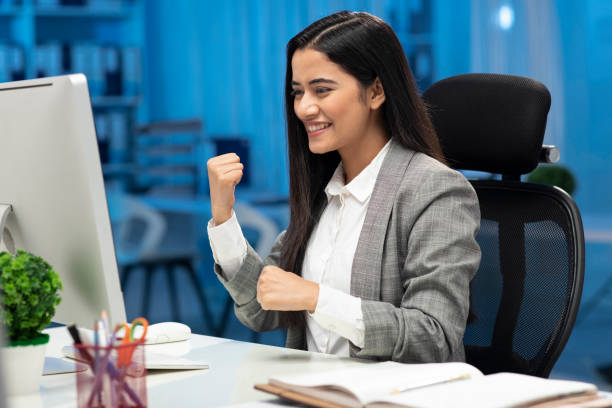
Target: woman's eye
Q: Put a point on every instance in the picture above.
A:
(323, 90)
(296, 92)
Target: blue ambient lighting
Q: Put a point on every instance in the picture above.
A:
(505, 17)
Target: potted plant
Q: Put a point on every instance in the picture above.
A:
(555, 175)
(28, 294)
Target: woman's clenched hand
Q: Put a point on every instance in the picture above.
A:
(278, 289)
(224, 173)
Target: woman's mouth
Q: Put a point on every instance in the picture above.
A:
(316, 129)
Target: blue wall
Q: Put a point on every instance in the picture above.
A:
(225, 62)
(586, 30)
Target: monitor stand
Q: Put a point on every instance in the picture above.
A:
(53, 365)
(5, 235)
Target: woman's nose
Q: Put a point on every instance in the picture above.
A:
(307, 107)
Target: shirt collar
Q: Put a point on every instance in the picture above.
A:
(360, 187)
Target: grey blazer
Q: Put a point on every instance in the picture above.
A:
(412, 267)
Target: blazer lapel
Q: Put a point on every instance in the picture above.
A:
(367, 263)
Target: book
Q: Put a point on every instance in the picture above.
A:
(391, 384)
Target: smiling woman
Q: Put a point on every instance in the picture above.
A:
(337, 112)
(380, 249)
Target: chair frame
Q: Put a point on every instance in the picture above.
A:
(508, 303)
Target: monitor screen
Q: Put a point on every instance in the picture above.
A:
(51, 176)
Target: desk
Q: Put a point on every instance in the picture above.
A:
(234, 368)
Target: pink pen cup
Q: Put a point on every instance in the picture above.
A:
(115, 376)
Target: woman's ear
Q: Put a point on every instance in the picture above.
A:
(376, 94)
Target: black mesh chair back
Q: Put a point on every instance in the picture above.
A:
(525, 295)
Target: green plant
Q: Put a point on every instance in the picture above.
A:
(28, 292)
(555, 175)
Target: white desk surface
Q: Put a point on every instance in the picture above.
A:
(234, 367)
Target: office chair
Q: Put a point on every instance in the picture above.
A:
(526, 292)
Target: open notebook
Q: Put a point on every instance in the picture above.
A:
(459, 385)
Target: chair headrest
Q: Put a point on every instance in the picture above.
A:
(490, 122)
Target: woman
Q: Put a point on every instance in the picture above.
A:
(380, 249)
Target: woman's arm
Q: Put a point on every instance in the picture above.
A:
(242, 287)
(228, 245)
(240, 280)
(442, 257)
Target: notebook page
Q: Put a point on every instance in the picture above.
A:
(374, 381)
(493, 391)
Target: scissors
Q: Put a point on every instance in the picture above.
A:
(125, 353)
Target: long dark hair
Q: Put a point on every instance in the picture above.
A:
(367, 48)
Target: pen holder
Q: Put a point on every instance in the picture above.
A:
(116, 376)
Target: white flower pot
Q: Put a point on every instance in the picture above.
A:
(23, 368)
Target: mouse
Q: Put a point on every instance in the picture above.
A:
(166, 332)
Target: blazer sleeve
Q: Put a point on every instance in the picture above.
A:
(242, 287)
(442, 258)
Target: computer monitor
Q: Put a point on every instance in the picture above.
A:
(51, 176)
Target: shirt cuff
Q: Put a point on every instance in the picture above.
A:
(228, 245)
(341, 313)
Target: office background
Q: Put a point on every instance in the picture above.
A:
(175, 82)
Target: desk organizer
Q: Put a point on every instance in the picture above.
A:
(116, 376)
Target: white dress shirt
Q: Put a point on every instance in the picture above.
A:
(328, 260)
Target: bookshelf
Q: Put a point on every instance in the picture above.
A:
(120, 102)
(120, 12)
(104, 39)
(413, 23)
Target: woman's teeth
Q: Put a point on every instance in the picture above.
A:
(314, 128)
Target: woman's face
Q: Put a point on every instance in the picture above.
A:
(334, 108)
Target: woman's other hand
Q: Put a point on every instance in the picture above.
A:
(224, 173)
(278, 289)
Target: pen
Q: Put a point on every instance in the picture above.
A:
(96, 343)
(105, 327)
(99, 370)
(429, 382)
(76, 338)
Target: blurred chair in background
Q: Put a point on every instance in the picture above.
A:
(266, 229)
(138, 230)
(267, 232)
(168, 170)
